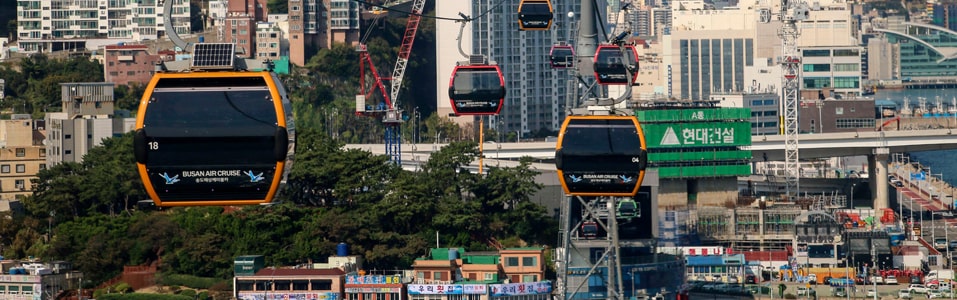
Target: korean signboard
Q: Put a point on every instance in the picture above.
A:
(703, 134)
(518, 289)
(372, 279)
(447, 289)
(284, 295)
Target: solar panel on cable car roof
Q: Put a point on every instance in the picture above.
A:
(213, 55)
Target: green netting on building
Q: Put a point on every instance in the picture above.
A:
(704, 171)
(699, 155)
(694, 115)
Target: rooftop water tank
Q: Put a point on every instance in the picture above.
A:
(453, 254)
(342, 249)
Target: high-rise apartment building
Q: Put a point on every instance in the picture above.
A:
(316, 24)
(44, 25)
(535, 93)
(241, 19)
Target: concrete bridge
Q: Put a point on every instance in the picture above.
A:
(876, 145)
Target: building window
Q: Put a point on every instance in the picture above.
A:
(19, 183)
(67, 152)
(43, 166)
(511, 261)
(21, 168)
(43, 152)
(437, 275)
(321, 284)
(5, 169)
(67, 136)
(489, 276)
(21, 152)
(529, 278)
(98, 105)
(528, 261)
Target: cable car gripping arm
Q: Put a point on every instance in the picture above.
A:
(630, 66)
(465, 19)
(168, 25)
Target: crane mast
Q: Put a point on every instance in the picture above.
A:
(391, 113)
(792, 11)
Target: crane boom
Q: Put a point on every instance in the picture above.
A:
(411, 27)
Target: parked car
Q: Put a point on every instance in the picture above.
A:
(903, 294)
(877, 279)
(802, 291)
(934, 295)
(871, 292)
(890, 279)
(917, 288)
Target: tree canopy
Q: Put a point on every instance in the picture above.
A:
(334, 195)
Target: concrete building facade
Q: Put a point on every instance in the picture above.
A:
(85, 120)
(123, 64)
(44, 26)
(268, 41)
(316, 24)
(22, 155)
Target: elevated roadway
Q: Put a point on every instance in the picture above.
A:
(820, 145)
(876, 145)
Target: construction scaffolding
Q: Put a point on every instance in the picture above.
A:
(713, 222)
(747, 222)
(780, 221)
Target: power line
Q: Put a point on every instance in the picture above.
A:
(465, 19)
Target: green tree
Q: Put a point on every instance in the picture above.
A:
(278, 6)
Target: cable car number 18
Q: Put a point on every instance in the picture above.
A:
(154, 145)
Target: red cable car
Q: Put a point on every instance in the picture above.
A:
(562, 56)
(477, 90)
(609, 68)
(535, 14)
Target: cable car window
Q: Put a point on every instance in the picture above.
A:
(602, 147)
(562, 56)
(476, 90)
(534, 15)
(601, 156)
(211, 138)
(610, 67)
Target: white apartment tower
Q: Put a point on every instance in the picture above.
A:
(53, 25)
(535, 93)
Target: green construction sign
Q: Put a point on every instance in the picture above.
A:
(697, 134)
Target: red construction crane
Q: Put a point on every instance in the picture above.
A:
(389, 108)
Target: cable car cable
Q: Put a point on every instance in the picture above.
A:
(434, 17)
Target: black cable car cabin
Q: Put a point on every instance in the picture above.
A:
(601, 155)
(477, 90)
(213, 138)
(609, 68)
(535, 14)
(562, 56)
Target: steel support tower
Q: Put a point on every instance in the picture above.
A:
(792, 11)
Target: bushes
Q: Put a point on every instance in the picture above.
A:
(190, 281)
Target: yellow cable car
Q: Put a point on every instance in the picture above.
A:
(535, 14)
(209, 138)
(601, 156)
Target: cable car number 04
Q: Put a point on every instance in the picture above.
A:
(154, 145)
(633, 159)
